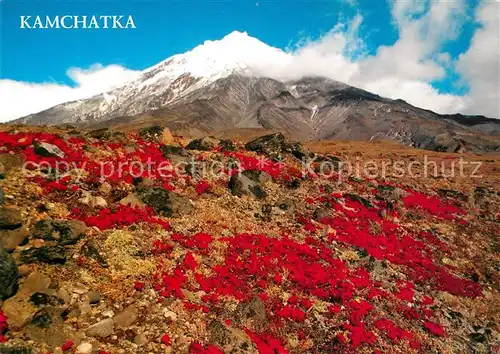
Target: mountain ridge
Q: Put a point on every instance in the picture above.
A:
(210, 90)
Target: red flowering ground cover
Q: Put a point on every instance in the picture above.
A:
(333, 269)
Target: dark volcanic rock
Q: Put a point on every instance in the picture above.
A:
(272, 145)
(8, 275)
(65, 232)
(242, 185)
(205, 144)
(42, 319)
(45, 254)
(99, 133)
(227, 145)
(14, 350)
(10, 219)
(42, 299)
(169, 150)
(299, 152)
(165, 202)
(153, 133)
(47, 150)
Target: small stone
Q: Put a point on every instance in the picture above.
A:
(78, 288)
(93, 201)
(165, 202)
(50, 206)
(9, 275)
(84, 348)
(108, 313)
(141, 339)
(10, 219)
(93, 297)
(105, 188)
(101, 329)
(127, 317)
(242, 185)
(24, 270)
(35, 282)
(133, 201)
(169, 315)
(229, 339)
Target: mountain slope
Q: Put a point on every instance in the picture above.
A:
(218, 87)
(316, 109)
(166, 82)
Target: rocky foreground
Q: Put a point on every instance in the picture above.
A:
(109, 247)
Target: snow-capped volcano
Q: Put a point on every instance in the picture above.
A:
(225, 84)
(169, 81)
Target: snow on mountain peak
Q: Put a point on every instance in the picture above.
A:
(179, 75)
(236, 52)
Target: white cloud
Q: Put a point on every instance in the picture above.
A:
(480, 65)
(407, 68)
(18, 99)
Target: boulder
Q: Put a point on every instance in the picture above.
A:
(229, 339)
(65, 232)
(158, 134)
(127, 317)
(272, 145)
(9, 275)
(13, 238)
(227, 145)
(19, 311)
(47, 150)
(242, 185)
(101, 329)
(299, 152)
(46, 254)
(205, 144)
(165, 202)
(10, 219)
(133, 201)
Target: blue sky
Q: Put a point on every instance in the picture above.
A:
(165, 28)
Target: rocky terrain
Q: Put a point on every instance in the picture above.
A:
(124, 243)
